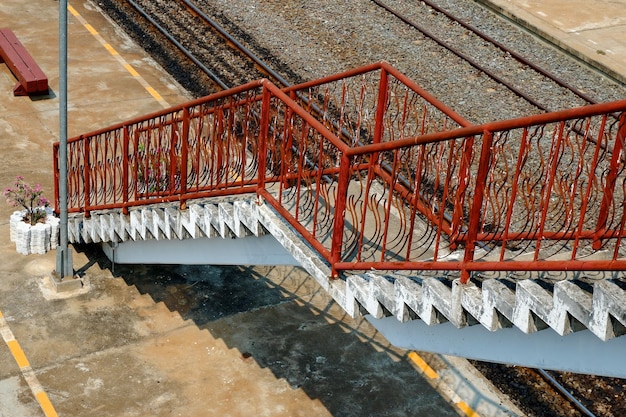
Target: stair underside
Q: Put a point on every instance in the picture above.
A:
(565, 306)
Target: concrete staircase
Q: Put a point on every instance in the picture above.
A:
(565, 306)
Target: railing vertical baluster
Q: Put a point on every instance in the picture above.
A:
(87, 173)
(244, 141)
(371, 168)
(477, 203)
(555, 153)
(521, 159)
(125, 183)
(609, 188)
(184, 157)
(340, 213)
(228, 158)
(419, 161)
(444, 197)
(263, 133)
(217, 146)
(172, 169)
(281, 149)
(318, 187)
(456, 222)
(592, 166)
(392, 182)
(135, 150)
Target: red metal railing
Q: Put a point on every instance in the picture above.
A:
(375, 173)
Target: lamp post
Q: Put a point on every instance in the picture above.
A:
(64, 264)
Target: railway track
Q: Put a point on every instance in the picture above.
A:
(560, 394)
(204, 61)
(497, 69)
(209, 53)
(502, 79)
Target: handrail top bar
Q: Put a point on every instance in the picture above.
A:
(474, 130)
(467, 129)
(334, 77)
(173, 109)
(316, 124)
(426, 95)
(384, 65)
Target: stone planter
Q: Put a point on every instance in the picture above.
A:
(38, 239)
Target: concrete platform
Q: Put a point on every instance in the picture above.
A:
(593, 30)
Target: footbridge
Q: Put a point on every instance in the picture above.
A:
(502, 241)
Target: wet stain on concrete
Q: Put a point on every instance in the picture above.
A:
(327, 360)
(202, 293)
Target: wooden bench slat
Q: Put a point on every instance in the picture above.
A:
(32, 79)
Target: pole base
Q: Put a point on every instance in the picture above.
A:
(65, 284)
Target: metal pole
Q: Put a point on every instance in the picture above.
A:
(65, 266)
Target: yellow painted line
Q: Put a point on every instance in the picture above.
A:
(432, 374)
(130, 69)
(119, 58)
(111, 50)
(91, 29)
(46, 405)
(18, 353)
(421, 363)
(466, 409)
(72, 10)
(27, 371)
(154, 93)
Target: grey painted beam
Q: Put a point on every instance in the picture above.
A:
(250, 250)
(580, 352)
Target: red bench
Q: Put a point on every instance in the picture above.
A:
(31, 79)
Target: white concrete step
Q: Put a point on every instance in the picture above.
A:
(565, 306)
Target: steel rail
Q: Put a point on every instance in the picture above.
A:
(565, 393)
(231, 41)
(184, 50)
(462, 55)
(521, 59)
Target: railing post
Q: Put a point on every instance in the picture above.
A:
(609, 188)
(87, 173)
(464, 178)
(381, 106)
(477, 202)
(172, 168)
(263, 133)
(340, 212)
(184, 157)
(125, 182)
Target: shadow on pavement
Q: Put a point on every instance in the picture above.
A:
(280, 318)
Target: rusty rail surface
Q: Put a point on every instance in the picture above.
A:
(375, 173)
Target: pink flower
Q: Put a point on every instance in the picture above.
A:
(29, 198)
